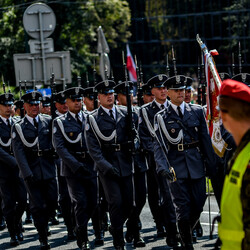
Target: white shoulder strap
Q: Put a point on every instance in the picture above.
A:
(165, 131)
(60, 124)
(20, 132)
(149, 126)
(97, 131)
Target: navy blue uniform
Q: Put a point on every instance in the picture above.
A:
(187, 158)
(77, 168)
(12, 190)
(159, 198)
(36, 164)
(111, 153)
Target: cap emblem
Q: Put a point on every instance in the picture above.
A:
(33, 95)
(178, 79)
(77, 91)
(106, 83)
(6, 95)
(160, 77)
(243, 77)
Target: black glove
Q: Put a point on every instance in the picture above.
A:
(167, 174)
(30, 180)
(113, 172)
(83, 170)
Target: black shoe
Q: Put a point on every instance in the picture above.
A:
(199, 230)
(14, 241)
(119, 247)
(28, 219)
(44, 245)
(2, 224)
(174, 242)
(139, 242)
(99, 239)
(194, 235)
(20, 236)
(160, 232)
(48, 231)
(71, 236)
(85, 246)
(54, 221)
(129, 236)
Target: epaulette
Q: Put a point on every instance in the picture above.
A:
(46, 116)
(145, 105)
(195, 105)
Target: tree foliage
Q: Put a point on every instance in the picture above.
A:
(76, 31)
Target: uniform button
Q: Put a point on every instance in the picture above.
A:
(186, 151)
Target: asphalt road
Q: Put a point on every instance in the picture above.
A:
(58, 238)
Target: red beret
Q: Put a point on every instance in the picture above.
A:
(236, 90)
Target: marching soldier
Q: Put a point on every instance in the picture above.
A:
(77, 167)
(147, 94)
(99, 217)
(158, 190)
(45, 105)
(184, 144)
(12, 188)
(107, 140)
(32, 146)
(140, 167)
(64, 198)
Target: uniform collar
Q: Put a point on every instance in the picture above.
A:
(107, 111)
(159, 104)
(182, 106)
(30, 119)
(74, 115)
(5, 119)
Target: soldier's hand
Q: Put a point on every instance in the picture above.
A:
(113, 172)
(167, 174)
(83, 170)
(30, 180)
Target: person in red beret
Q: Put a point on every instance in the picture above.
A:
(234, 106)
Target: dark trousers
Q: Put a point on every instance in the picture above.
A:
(83, 194)
(140, 199)
(64, 199)
(153, 189)
(189, 196)
(43, 201)
(119, 195)
(14, 198)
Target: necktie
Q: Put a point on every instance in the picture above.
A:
(179, 112)
(111, 114)
(8, 123)
(162, 106)
(35, 122)
(78, 120)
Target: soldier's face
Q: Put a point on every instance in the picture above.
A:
(75, 105)
(5, 110)
(188, 95)
(148, 98)
(122, 99)
(89, 103)
(32, 110)
(61, 107)
(106, 100)
(176, 96)
(160, 94)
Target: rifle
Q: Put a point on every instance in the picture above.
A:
(233, 65)
(131, 126)
(239, 56)
(203, 81)
(95, 91)
(199, 82)
(174, 61)
(52, 102)
(167, 67)
(20, 99)
(139, 89)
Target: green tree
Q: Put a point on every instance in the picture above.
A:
(76, 31)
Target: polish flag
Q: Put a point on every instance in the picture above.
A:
(131, 66)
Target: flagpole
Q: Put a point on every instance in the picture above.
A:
(210, 62)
